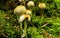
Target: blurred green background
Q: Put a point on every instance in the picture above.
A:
(39, 27)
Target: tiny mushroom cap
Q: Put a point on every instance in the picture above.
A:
(21, 0)
(20, 9)
(28, 17)
(23, 35)
(23, 17)
(29, 12)
(42, 5)
(30, 3)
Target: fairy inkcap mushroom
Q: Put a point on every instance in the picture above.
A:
(23, 35)
(21, 0)
(42, 5)
(23, 17)
(20, 9)
(30, 3)
(29, 12)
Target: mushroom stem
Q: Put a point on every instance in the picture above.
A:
(21, 26)
(25, 27)
(21, 29)
(24, 3)
(42, 12)
(24, 34)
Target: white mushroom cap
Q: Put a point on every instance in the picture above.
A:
(20, 9)
(30, 3)
(23, 35)
(42, 5)
(23, 17)
(21, 0)
(29, 12)
(29, 18)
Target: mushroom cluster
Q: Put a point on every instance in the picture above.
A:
(23, 11)
(26, 13)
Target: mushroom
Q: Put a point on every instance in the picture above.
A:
(29, 12)
(20, 9)
(30, 4)
(21, 0)
(42, 5)
(23, 17)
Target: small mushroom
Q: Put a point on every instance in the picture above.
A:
(42, 5)
(29, 12)
(30, 3)
(21, 0)
(23, 17)
(23, 35)
(20, 9)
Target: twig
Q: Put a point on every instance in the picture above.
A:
(45, 25)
